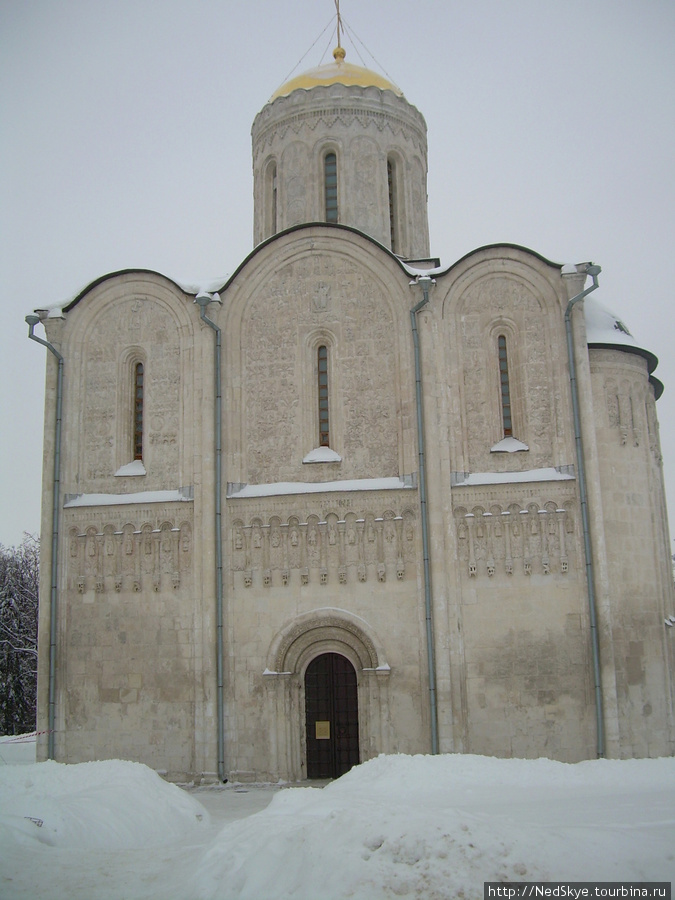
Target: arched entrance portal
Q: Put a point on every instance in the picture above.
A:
(331, 716)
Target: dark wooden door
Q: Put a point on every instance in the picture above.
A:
(332, 716)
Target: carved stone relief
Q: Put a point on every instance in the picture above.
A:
(624, 401)
(366, 157)
(653, 428)
(514, 539)
(132, 322)
(485, 305)
(322, 120)
(332, 549)
(329, 294)
(124, 557)
(295, 162)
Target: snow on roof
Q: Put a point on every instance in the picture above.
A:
(464, 479)
(605, 329)
(415, 271)
(180, 495)
(189, 286)
(202, 285)
(279, 488)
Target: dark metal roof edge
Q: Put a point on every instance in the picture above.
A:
(95, 283)
(301, 227)
(652, 359)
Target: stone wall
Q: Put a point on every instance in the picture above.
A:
(640, 587)
(325, 573)
(364, 127)
(326, 556)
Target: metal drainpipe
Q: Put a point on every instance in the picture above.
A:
(593, 271)
(203, 299)
(32, 321)
(424, 282)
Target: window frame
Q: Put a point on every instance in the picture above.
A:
(323, 395)
(505, 401)
(138, 411)
(130, 358)
(331, 210)
(270, 198)
(316, 338)
(392, 193)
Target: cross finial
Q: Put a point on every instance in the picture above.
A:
(339, 22)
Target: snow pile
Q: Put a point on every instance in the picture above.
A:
(18, 750)
(397, 826)
(113, 804)
(438, 827)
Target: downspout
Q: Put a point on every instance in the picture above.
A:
(203, 299)
(593, 271)
(32, 321)
(424, 282)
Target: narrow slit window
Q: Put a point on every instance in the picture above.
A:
(273, 186)
(330, 186)
(391, 183)
(324, 431)
(138, 411)
(505, 387)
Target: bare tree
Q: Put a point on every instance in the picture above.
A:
(18, 635)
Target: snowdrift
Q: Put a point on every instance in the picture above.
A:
(430, 828)
(438, 827)
(113, 804)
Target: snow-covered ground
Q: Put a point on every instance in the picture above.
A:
(397, 826)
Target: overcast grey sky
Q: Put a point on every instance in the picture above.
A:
(125, 142)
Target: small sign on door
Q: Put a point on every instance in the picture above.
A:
(322, 731)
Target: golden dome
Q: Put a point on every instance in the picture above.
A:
(338, 72)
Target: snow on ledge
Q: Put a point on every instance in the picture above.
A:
(133, 468)
(560, 473)
(279, 488)
(508, 445)
(185, 494)
(322, 455)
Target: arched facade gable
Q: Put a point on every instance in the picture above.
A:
(144, 276)
(114, 289)
(122, 321)
(306, 241)
(303, 285)
(510, 293)
(517, 268)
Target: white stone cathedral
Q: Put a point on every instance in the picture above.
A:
(351, 501)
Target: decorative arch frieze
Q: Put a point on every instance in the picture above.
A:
(535, 537)
(324, 120)
(118, 556)
(340, 546)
